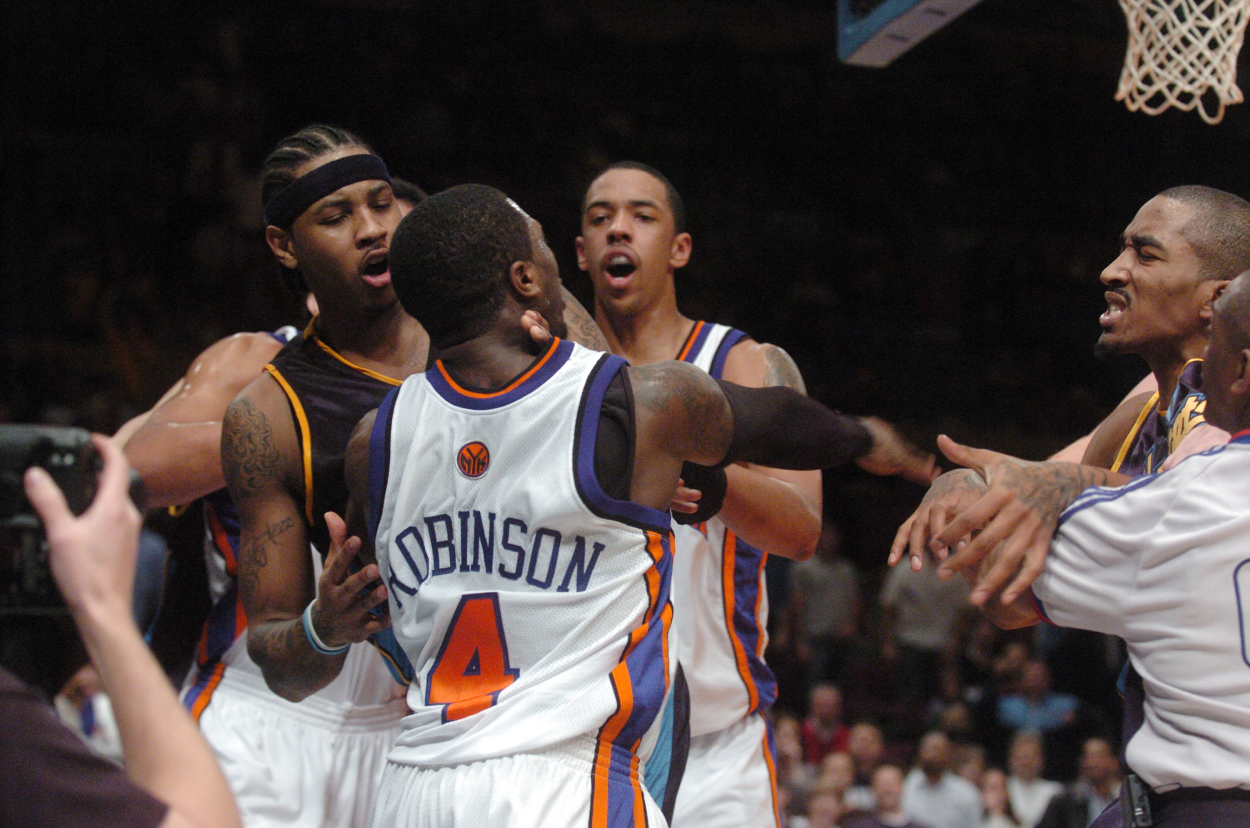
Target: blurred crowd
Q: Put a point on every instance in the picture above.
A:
(901, 704)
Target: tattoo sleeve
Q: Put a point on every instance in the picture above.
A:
(1049, 488)
(683, 390)
(248, 455)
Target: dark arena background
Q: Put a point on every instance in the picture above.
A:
(925, 240)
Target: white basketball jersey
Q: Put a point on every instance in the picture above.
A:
(1164, 562)
(720, 602)
(532, 607)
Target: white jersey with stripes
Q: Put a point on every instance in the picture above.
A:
(720, 601)
(1164, 563)
(532, 607)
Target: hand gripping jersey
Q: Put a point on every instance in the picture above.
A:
(1164, 563)
(328, 396)
(721, 609)
(533, 607)
(1156, 434)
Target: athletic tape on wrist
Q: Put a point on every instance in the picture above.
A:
(311, 633)
(291, 201)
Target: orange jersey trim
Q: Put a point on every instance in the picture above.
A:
(728, 566)
(201, 703)
(485, 395)
(690, 340)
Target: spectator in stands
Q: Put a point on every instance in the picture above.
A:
(823, 731)
(970, 763)
(887, 789)
(1029, 793)
(824, 608)
(1097, 787)
(934, 793)
(995, 801)
(867, 748)
(1034, 706)
(824, 808)
(921, 623)
(837, 772)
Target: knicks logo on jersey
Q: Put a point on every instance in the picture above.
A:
(473, 459)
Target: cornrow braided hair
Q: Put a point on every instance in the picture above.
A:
(310, 142)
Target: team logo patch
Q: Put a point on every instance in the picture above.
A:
(473, 459)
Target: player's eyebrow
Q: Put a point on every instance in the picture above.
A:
(637, 202)
(332, 202)
(1140, 240)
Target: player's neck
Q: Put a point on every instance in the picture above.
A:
(493, 360)
(1167, 366)
(652, 334)
(390, 342)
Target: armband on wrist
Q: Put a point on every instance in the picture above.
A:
(310, 633)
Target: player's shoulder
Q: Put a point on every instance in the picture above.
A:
(236, 359)
(760, 365)
(1110, 435)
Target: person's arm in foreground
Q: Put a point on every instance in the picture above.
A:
(1014, 507)
(93, 560)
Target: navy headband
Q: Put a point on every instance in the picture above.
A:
(292, 200)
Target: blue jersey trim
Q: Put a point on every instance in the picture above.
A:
(380, 462)
(722, 353)
(584, 456)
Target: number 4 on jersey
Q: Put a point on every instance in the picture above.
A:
(472, 666)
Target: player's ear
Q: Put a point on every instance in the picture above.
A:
(679, 254)
(523, 276)
(1242, 384)
(582, 263)
(282, 244)
(1212, 290)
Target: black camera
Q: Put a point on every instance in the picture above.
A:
(26, 584)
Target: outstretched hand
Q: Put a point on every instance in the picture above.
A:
(536, 325)
(344, 599)
(1009, 524)
(891, 453)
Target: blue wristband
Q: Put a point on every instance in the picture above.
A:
(311, 634)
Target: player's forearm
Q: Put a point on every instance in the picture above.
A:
(292, 668)
(772, 515)
(178, 462)
(165, 753)
(780, 428)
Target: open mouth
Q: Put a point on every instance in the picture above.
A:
(377, 271)
(1117, 303)
(620, 266)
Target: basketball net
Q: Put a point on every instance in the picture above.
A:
(1178, 51)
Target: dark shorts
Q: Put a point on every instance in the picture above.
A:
(1188, 808)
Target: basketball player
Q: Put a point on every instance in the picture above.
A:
(330, 213)
(517, 500)
(1160, 562)
(1176, 255)
(633, 240)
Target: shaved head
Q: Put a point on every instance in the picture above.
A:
(1219, 229)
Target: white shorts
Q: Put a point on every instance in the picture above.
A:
(551, 788)
(304, 765)
(730, 780)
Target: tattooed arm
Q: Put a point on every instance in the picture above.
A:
(581, 325)
(260, 456)
(774, 510)
(1013, 508)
